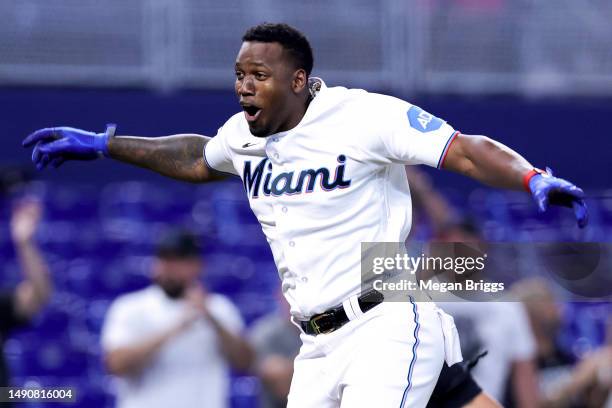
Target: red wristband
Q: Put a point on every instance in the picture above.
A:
(528, 177)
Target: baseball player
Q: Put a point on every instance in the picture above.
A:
(323, 169)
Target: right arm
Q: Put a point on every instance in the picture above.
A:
(525, 383)
(179, 156)
(131, 360)
(35, 290)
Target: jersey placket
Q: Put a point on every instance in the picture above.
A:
(285, 226)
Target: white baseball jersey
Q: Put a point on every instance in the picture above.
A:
(335, 180)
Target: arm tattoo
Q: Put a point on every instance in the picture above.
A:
(179, 156)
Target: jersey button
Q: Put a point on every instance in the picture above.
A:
(284, 209)
(291, 243)
(304, 279)
(287, 286)
(276, 156)
(275, 139)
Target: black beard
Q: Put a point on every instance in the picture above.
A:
(172, 290)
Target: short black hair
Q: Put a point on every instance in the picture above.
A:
(292, 40)
(178, 243)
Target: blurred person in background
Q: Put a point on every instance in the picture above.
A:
(500, 328)
(19, 305)
(171, 343)
(564, 380)
(277, 342)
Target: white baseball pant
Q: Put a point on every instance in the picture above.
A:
(390, 356)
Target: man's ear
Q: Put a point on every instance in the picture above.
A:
(300, 81)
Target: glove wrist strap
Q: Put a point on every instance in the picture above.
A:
(108, 134)
(527, 177)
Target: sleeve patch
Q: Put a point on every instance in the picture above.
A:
(423, 121)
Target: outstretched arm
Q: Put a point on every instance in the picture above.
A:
(177, 156)
(487, 161)
(497, 165)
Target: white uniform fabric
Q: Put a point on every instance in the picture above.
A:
(189, 370)
(389, 357)
(335, 180)
(320, 189)
(501, 328)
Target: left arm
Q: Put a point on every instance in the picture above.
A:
(236, 350)
(487, 161)
(495, 164)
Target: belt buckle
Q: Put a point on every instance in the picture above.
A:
(315, 326)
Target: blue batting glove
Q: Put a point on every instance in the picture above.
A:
(547, 189)
(56, 145)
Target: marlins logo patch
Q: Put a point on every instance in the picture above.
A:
(423, 121)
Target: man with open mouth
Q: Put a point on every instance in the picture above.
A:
(323, 168)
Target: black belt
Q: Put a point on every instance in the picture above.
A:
(334, 318)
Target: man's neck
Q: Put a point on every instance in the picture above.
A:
(297, 118)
